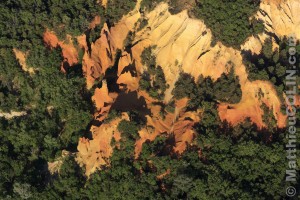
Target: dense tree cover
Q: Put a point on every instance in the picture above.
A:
(233, 162)
(128, 128)
(23, 22)
(184, 87)
(149, 5)
(153, 80)
(176, 6)
(12, 79)
(148, 59)
(65, 184)
(142, 24)
(58, 113)
(170, 107)
(206, 93)
(225, 89)
(244, 165)
(113, 114)
(229, 19)
(117, 8)
(268, 117)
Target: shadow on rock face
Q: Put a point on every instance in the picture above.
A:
(128, 102)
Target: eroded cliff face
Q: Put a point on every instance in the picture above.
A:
(280, 20)
(281, 17)
(181, 44)
(94, 154)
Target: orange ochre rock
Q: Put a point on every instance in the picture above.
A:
(104, 50)
(179, 123)
(181, 44)
(95, 153)
(254, 94)
(69, 51)
(103, 101)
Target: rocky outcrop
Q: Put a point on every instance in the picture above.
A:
(104, 51)
(103, 101)
(180, 124)
(180, 41)
(181, 44)
(187, 41)
(94, 154)
(69, 51)
(280, 17)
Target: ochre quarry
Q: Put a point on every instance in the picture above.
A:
(279, 18)
(182, 44)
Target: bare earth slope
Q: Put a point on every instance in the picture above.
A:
(182, 45)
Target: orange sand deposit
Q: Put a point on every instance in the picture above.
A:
(182, 45)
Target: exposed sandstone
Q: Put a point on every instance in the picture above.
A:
(181, 44)
(94, 154)
(104, 50)
(281, 17)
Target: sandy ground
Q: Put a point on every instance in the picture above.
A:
(21, 57)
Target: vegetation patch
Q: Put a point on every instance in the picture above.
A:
(225, 89)
(116, 9)
(149, 5)
(229, 19)
(153, 81)
(270, 65)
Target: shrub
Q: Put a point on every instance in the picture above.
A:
(130, 129)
